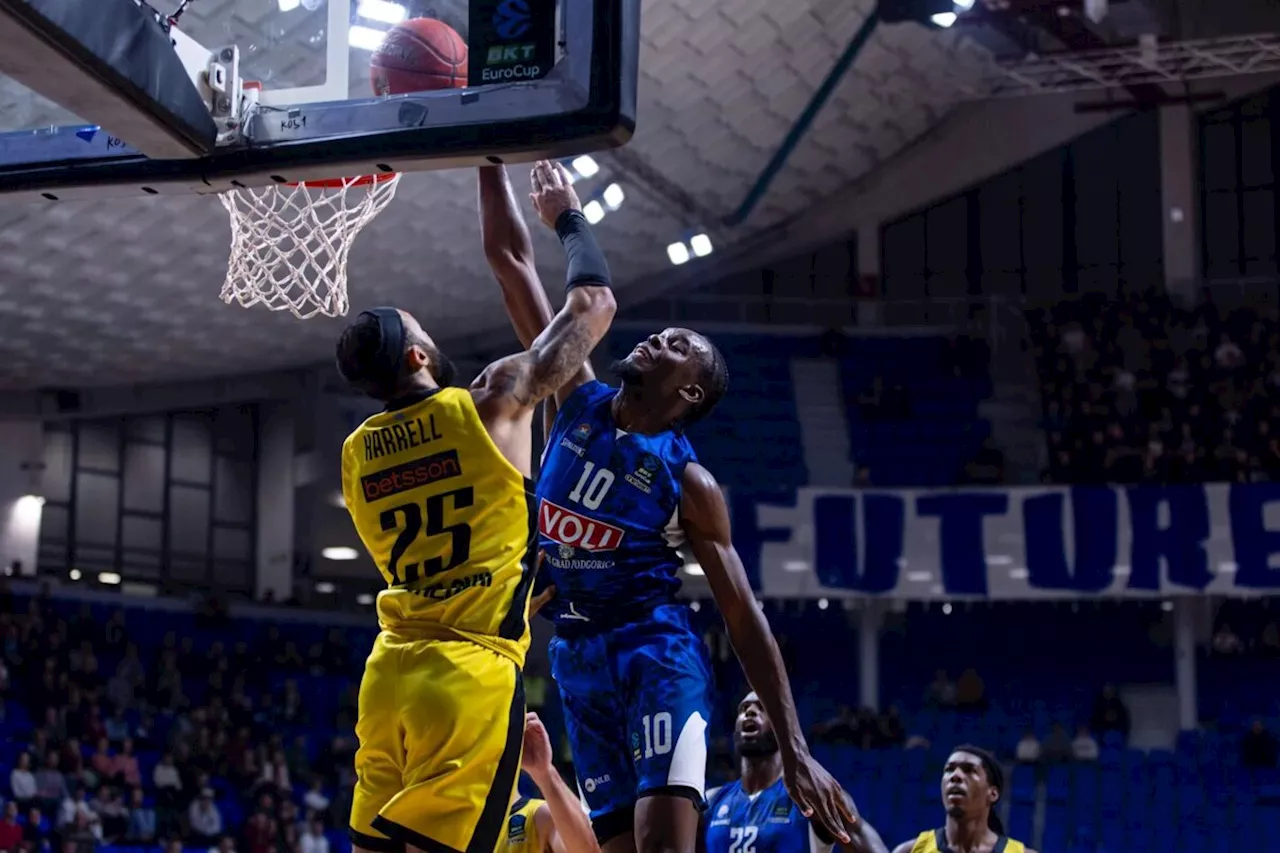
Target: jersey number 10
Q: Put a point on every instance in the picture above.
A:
(408, 519)
(595, 490)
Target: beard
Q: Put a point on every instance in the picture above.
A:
(443, 371)
(761, 747)
(627, 372)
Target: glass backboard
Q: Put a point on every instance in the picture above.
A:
(555, 78)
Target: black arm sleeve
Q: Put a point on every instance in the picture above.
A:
(587, 266)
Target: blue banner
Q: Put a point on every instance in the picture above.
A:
(1013, 543)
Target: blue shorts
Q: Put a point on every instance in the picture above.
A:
(637, 705)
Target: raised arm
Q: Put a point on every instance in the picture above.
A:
(562, 821)
(705, 520)
(509, 388)
(509, 251)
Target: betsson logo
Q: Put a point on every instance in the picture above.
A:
(568, 528)
(512, 19)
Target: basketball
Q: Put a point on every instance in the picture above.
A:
(419, 55)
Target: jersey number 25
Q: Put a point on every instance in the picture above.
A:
(408, 519)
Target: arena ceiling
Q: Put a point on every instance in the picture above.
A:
(125, 291)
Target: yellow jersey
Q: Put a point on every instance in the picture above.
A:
(522, 828)
(448, 520)
(935, 841)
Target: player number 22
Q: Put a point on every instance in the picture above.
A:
(408, 519)
(742, 839)
(596, 490)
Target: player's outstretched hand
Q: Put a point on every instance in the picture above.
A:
(820, 797)
(537, 748)
(553, 192)
(540, 600)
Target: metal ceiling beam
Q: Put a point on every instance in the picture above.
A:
(1169, 63)
(805, 120)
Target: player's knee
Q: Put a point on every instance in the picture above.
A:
(667, 821)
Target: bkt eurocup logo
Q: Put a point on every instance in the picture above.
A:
(512, 19)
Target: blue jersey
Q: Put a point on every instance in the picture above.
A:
(608, 515)
(769, 822)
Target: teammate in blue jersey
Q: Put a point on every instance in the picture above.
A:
(620, 490)
(755, 814)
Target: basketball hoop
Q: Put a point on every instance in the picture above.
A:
(289, 242)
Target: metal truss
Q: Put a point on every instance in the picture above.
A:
(1144, 63)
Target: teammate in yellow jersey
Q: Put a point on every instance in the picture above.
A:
(437, 486)
(972, 782)
(558, 823)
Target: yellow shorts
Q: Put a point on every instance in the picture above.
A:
(441, 728)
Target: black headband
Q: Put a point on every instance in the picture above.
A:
(390, 356)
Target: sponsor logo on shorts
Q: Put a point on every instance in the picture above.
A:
(566, 527)
(589, 785)
(410, 475)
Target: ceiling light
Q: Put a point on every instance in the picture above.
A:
(613, 196)
(338, 500)
(585, 166)
(694, 570)
(108, 578)
(381, 10)
(823, 604)
(365, 38)
(1020, 574)
(964, 5)
(288, 5)
(594, 211)
(795, 566)
(75, 574)
(1166, 606)
(325, 588)
(695, 606)
(919, 577)
(341, 553)
(946, 609)
(364, 598)
(678, 253)
(943, 19)
(701, 245)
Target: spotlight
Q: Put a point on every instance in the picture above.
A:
(614, 196)
(594, 211)
(365, 38)
(585, 166)
(701, 245)
(381, 10)
(678, 253)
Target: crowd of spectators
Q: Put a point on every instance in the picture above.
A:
(98, 707)
(1139, 390)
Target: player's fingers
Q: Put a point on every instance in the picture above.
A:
(563, 175)
(553, 178)
(537, 177)
(821, 811)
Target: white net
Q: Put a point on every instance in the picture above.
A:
(289, 242)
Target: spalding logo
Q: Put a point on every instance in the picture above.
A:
(511, 19)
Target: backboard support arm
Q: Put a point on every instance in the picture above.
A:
(110, 62)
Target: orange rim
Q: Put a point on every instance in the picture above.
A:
(339, 183)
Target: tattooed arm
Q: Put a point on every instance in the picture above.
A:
(508, 248)
(510, 388)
